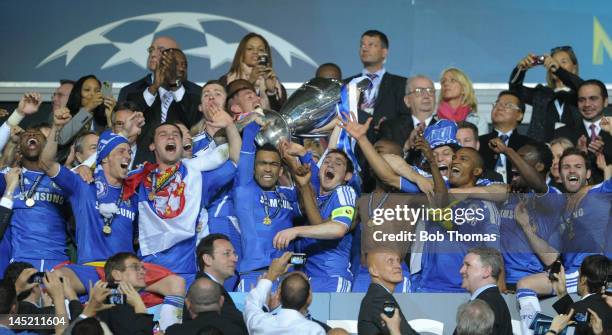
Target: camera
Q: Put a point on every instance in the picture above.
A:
(538, 60)
(298, 259)
(37, 278)
(115, 297)
(554, 268)
(389, 308)
(262, 59)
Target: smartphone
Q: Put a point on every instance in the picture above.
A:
(554, 268)
(298, 259)
(262, 59)
(75, 125)
(37, 278)
(389, 308)
(107, 89)
(115, 297)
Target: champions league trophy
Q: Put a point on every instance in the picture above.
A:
(310, 107)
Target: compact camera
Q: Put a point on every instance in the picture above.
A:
(298, 259)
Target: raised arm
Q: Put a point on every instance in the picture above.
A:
(545, 252)
(379, 165)
(302, 176)
(528, 172)
(61, 117)
(246, 164)
(221, 119)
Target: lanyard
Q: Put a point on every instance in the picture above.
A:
(267, 204)
(31, 191)
(108, 221)
(559, 107)
(380, 204)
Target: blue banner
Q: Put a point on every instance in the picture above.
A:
(49, 40)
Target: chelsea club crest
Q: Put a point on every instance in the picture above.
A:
(101, 189)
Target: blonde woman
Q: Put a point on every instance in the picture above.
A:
(457, 101)
(253, 62)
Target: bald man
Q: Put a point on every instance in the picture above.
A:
(204, 301)
(158, 45)
(385, 270)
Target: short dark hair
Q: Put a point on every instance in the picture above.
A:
(349, 164)
(596, 269)
(206, 247)
(7, 296)
(166, 124)
(215, 81)
(268, 147)
(333, 65)
(129, 105)
(574, 151)
(595, 82)
(468, 125)
(78, 142)
(13, 270)
(490, 257)
(376, 33)
(543, 154)
(116, 262)
(295, 290)
(521, 104)
(88, 326)
(66, 81)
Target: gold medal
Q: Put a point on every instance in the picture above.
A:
(30, 202)
(107, 230)
(199, 228)
(151, 196)
(267, 221)
(370, 223)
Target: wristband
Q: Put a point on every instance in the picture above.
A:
(15, 118)
(554, 332)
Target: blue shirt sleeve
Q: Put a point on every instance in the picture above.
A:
(216, 179)
(314, 169)
(69, 181)
(406, 186)
(246, 165)
(342, 205)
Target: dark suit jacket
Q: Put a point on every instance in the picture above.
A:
(5, 220)
(489, 157)
(574, 133)
(594, 302)
(185, 111)
(228, 310)
(203, 320)
(398, 130)
(140, 85)
(503, 322)
(389, 102)
(369, 313)
(121, 319)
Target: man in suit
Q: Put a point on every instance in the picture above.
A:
(385, 97)
(204, 301)
(595, 271)
(480, 272)
(592, 99)
(385, 269)
(166, 100)
(507, 114)
(158, 45)
(420, 99)
(217, 261)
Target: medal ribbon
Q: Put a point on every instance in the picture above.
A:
(31, 191)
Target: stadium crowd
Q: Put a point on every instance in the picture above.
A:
(162, 197)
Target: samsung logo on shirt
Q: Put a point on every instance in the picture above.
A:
(48, 197)
(274, 203)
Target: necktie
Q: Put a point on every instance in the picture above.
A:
(500, 166)
(166, 102)
(368, 101)
(593, 133)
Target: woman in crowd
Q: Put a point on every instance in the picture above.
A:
(554, 105)
(87, 94)
(253, 62)
(457, 101)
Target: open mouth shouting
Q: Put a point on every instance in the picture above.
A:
(455, 171)
(573, 180)
(443, 169)
(32, 143)
(171, 147)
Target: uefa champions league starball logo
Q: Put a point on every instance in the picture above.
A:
(214, 48)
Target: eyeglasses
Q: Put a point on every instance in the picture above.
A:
(420, 91)
(136, 267)
(563, 48)
(152, 48)
(507, 105)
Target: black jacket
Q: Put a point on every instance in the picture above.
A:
(121, 319)
(542, 98)
(369, 322)
(140, 85)
(594, 302)
(205, 319)
(389, 102)
(489, 157)
(503, 321)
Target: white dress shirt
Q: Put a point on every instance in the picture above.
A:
(285, 321)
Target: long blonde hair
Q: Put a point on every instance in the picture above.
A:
(469, 96)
